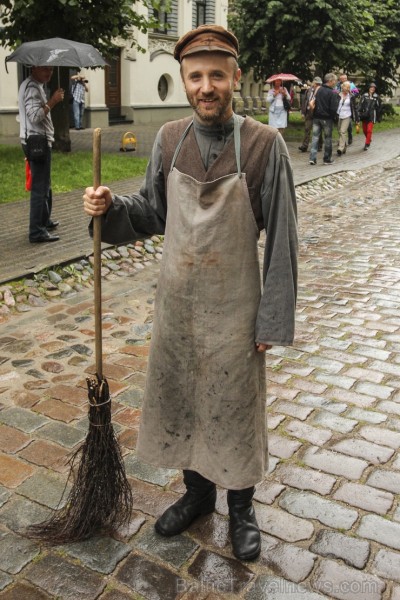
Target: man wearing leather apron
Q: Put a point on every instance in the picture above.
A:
(213, 182)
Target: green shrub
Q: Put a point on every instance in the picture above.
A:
(388, 110)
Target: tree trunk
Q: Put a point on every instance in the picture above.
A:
(60, 113)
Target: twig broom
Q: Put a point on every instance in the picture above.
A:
(101, 498)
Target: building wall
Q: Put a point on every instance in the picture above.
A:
(140, 74)
(8, 96)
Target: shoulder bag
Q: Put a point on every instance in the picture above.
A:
(286, 103)
(36, 147)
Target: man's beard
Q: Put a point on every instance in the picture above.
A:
(217, 114)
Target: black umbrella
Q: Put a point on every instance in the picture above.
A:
(57, 52)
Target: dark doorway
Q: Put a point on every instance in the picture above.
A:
(113, 88)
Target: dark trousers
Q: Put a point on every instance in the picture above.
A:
(350, 132)
(41, 196)
(320, 125)
(308, 122)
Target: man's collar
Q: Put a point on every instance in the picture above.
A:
(214, 129)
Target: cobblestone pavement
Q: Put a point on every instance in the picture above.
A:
(329, 507)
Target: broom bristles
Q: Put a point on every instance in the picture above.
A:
(101, 498)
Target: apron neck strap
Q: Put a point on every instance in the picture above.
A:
(236, 136)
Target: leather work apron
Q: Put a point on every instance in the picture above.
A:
(204, 401)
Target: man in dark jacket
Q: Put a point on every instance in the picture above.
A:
(325, 112)
(370, 111)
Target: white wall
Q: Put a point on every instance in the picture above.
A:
(140, 74)
(144, 82)
(9, 84)
(95, 98)
(8, 95)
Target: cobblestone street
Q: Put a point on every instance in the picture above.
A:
(329, 507)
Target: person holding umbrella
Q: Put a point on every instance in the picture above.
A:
(214, 181)
(35, 119)
(35, 116)
(278, 98)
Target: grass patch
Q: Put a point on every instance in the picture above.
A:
(69, 171)
(73, 170)
(295, 129)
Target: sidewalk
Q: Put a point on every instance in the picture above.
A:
(20, 258)
(329, 507)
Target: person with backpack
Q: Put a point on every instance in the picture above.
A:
(307, 113)
(370, 112)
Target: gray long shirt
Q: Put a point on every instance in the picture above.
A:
(142, 214)
(32, 115)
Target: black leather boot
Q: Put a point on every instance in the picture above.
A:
(245, 534)
(199, 500)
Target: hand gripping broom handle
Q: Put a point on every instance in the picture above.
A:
(97, 255)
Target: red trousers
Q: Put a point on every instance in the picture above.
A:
(367, 129)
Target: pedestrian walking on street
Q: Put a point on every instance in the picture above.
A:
(324, 104)
(354, 91)
(214, 181)
(307, 112)
(370, 111)
(35, 119)
(347, 112)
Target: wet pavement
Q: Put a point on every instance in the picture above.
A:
(329, 507)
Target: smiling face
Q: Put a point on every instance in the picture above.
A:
(209, 79)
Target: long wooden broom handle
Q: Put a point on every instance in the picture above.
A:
(97, 256)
